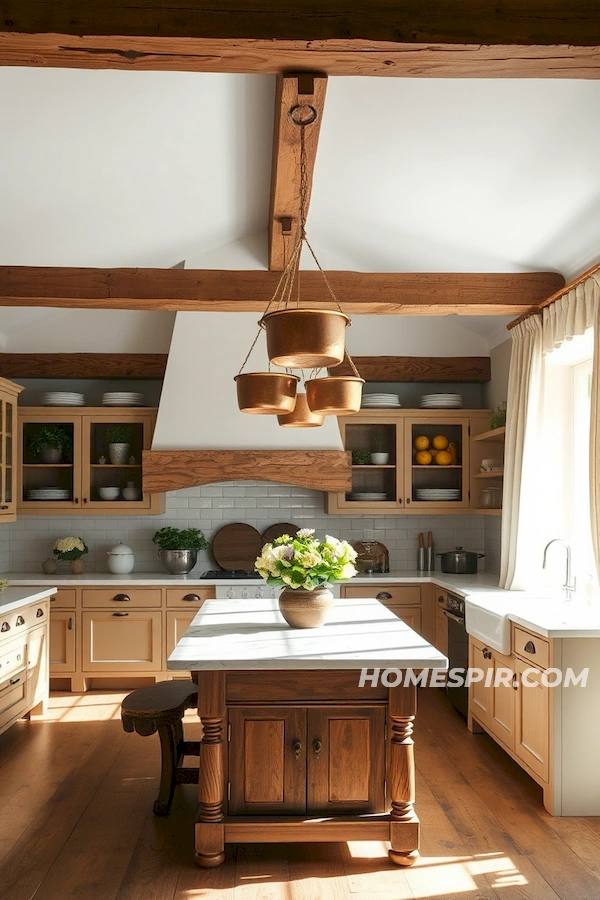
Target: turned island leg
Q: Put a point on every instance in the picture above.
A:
(210, 832)
(404, 823)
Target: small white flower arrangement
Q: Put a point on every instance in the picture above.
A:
(69, 548)
(303, 562)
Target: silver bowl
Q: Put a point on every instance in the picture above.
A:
(179, 562)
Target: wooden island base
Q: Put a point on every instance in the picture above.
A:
(304, 755)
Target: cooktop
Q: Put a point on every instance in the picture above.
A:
(238, 574)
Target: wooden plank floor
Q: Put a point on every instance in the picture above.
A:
(76, 821)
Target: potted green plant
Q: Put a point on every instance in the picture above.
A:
(118, 437)
(361, 457)
(50, 444)
(178, 548)
(71, 549)
(379, 457)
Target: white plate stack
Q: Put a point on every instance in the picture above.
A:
(437, 494)
(441, 401)
(48, 494)
(380, 401)
(368, 495)
(63, 398)
(122, 398)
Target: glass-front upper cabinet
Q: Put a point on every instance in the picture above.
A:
(87, 460)
(8, 432)
(437, 462)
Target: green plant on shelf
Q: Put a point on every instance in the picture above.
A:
(119, 434)
(498, 417)
(50, 437)
(180, 539)
(361, 457)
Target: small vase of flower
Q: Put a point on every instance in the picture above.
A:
(71, 549)
(304, 566)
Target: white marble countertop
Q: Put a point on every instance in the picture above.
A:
(251, 634)
(12, 598)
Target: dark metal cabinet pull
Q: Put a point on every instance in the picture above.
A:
(440, 599)
(122, 598)
(192, 598)
(5, 627)
(20, 620)
(39, 613)
(515, 685)
(383, 595)
(15, 680)
(529, 647)
(297, 748)
(70, 624)
(317, 747)
(120, 614)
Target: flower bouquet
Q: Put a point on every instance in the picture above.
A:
(303, 566)
(71, 549)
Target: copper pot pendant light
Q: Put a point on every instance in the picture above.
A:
(266, 393)
(301, 338)
(302, 416)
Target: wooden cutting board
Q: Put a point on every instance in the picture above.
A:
(278, 530)
(237, 546)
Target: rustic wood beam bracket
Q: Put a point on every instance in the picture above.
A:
(298, 98)
(83, 365)
(171, 470)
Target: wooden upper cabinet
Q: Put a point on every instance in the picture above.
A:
(9, 393)
(399, 481)
(70, 482)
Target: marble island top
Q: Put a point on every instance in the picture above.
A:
(251, 634)
(12, 598)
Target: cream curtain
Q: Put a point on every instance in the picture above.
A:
(570, 315)
(595, 426)
(520, 450)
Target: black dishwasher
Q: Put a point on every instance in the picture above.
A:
(458, 650)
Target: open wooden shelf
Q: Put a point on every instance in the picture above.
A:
(499, 473)
(496, 434)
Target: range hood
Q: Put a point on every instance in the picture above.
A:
(198, 414)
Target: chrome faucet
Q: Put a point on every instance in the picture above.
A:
(569, 585)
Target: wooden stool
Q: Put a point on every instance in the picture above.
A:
(160, 707)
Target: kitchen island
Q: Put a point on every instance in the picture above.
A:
(294, 748)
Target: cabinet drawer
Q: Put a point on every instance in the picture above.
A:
(388, 594)
(14, 623)
(64, 599)
(13, 701)
(189, 597)
(531, 647)
(122, 641)
(121, 597)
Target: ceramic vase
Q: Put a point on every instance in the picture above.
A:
(306, 609)
(50, 455)
(77, 566)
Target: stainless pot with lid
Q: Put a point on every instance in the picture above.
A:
(459, 561)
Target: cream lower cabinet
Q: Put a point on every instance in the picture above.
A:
(23, 662)
(121, 632)
(404, 600)
(512, 703)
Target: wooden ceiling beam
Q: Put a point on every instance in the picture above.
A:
(440, 369)
(303, 91)
(210, 290)
(83, 365)
(537, 39)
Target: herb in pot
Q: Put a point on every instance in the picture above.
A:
(180, 539)
(361, 457)
(50, 437)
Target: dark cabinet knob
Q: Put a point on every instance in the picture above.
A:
(122, 598)
(317, 747)
(530, 647)
(297, 748)
(192, 598)
(440, 599)
(120, 614)
(383, 595)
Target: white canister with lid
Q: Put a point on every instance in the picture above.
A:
(120, 560)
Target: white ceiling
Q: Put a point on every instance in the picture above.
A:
(107, 168)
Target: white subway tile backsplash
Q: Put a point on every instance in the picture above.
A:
(26, 543)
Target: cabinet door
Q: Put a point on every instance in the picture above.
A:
(532, 735)
(502, 723)
(422, 481)
(409, 614)
(346, 760)
(37, 666)
(49, 481)
(267, 760)
(122, 472)
(177, 623)
(62, 642)
(481, 692)
(121, 641)
(376, 487)
(8, 466)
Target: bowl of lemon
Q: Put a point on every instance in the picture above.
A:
(438, 451)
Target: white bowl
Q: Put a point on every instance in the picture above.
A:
(109, 493)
